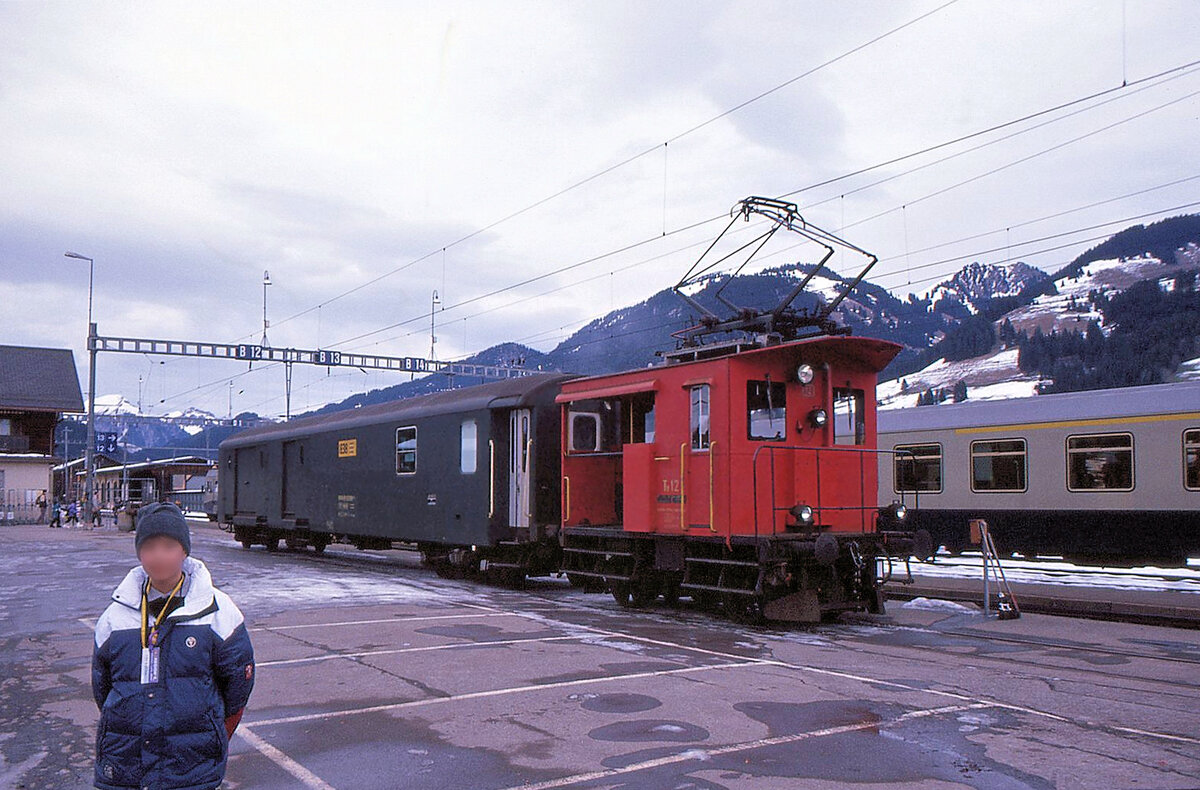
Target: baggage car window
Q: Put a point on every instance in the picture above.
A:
(998, 465)
(1191, 459)
(699, 417)
(849, 423)
(1102, 462)
(468, 439)
(918, 467)
(766, 415)
(406, 450)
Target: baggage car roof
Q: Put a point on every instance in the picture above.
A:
(509, 393)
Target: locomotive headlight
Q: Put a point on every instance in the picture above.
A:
(818, 418)
(802, 513)
(804, 374)
(899, 511)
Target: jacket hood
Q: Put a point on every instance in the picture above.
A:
(198, 593)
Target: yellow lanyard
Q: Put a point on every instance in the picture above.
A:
(161, 614)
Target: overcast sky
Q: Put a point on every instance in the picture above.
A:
(189, 147)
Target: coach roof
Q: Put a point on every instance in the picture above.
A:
(508, 393)
(1127, 402)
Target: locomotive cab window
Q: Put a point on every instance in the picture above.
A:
(1102, 462)
(918, 467)
(1191, 459)
(406, 450)
(998, 465)
(594, 426)
(766, 415)
(699, 419)
(638, 425)
(849, 422)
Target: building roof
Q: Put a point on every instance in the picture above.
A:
(1179, 397)
(39, 379)
(183, 463)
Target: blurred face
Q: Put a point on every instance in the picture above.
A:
(162, 559)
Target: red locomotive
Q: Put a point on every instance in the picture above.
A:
(742, 473)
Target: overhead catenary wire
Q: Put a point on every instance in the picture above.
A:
(928, 196)
(630, 159)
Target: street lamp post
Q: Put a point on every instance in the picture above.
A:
(89, 450)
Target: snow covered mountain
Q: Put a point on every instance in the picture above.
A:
(976, 284)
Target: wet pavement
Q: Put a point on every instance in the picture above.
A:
(374, 673)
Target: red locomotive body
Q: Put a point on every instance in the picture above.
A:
(743, 474)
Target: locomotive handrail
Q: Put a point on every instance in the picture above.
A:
(682, 487)
(712, 462)
(819, 507)
(567, 499)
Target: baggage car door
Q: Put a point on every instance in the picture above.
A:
(520, 448)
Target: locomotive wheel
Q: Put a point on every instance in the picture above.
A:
(319, 544)
(637, 594)
(671, 592)
(745, 609)
(272, 544)
(246, 543)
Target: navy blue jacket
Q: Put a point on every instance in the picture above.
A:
(169, 735)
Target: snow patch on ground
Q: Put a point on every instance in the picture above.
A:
(969, 565)
(937, 604)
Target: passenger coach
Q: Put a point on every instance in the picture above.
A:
(1106, 475)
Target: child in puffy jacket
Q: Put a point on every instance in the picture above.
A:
(172, 668)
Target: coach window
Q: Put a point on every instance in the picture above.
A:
(468, 451)
(699, 417)
(998, 465)
(766, 417)
(918, 467)
(406, 450)
(849, 424)
(1102, 462)
(1191, 459)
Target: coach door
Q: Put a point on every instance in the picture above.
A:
(520, 465)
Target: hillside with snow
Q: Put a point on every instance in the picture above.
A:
(1098, 322)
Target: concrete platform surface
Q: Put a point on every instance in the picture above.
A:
(374, 673)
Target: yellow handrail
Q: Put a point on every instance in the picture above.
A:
(682, 487)
(567, 497)
(712, 462)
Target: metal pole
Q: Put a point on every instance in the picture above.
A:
(89, 451)
(433, 303)
(266, 282)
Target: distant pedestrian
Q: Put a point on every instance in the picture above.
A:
(72, 512)
(172, 667)
(96, 513)
(41, 506)
(56, 515)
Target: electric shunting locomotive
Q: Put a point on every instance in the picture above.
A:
(742, 473)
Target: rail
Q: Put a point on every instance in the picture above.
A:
(819, 507)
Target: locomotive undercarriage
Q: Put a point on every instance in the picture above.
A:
(790, 578)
